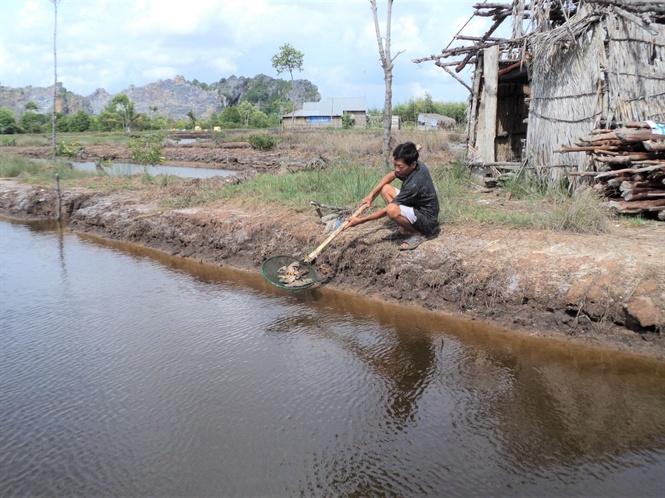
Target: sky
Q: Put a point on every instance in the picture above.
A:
(113, 44)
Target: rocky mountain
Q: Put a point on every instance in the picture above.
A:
(173, 97)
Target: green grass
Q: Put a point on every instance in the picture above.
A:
(580, 213)
(341, 184)
(344, 183)
(86, 138)
(31, 171)
(43, 173)
(12, 167)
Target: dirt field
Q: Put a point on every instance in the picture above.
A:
(606, 290)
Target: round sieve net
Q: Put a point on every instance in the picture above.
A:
(287, 272)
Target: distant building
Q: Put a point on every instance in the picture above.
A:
(327, 114)
(427, 121)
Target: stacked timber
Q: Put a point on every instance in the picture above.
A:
(630, 167)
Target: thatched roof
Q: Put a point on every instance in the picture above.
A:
(590, 63)
(542, 23)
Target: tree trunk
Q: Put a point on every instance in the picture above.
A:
(293, 100)
(387, 64)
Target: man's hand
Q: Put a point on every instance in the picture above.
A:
(352, 221)
(367, 200)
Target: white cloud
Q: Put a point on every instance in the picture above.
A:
(170, 17)
(116, 43)
(159, 73)
(223, 65)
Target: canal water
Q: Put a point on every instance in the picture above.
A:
(127, 372)
(127, 169)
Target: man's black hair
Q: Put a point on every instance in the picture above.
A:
(406, 151)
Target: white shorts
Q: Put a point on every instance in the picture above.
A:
(406, 211)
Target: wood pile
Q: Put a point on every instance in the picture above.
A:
(631, 167)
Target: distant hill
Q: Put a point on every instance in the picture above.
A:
(173, 97)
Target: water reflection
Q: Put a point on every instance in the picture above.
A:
(404, 360)
(127, 371)
(547, 404)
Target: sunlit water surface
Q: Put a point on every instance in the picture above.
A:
(123, 372)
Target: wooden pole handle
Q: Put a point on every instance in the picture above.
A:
(312, 255)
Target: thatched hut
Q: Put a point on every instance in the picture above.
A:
(568, 67)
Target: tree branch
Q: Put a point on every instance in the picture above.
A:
(400, 52)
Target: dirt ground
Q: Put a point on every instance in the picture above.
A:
(235, 156)
(606, 290)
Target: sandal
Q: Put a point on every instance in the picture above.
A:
(394, 235)
(412, 242)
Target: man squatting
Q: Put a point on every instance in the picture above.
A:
(414, 207)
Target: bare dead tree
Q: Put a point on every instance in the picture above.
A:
(387, 65)
(55, 70)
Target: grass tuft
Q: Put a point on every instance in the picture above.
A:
(581, 213)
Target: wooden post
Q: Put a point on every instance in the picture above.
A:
(488, 100)
(57, 191)
(472, 132)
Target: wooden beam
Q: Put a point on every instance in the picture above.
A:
(466, 60)
(488, 101)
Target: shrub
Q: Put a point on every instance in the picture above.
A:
(147, 150)
(71, 149)
(262, 141)
(347, 121)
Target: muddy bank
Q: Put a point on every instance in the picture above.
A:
(606, 290)
(237, 156)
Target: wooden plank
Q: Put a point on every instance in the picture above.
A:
(634, 135)
(630, 171)
(488, 102)
(473, 111)
(639, 205)
(654, 145)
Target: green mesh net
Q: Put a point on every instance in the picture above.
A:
(287, 272)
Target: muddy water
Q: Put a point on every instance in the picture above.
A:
(124, 372)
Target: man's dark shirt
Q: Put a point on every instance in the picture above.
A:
(419, 193)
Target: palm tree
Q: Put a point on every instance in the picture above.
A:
(153, 110)
(192, 117)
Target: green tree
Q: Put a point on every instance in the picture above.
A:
(230, 117)
(147, 150)
(153, 110)
(31, 106)
(259, 119)
(62, 122)
(120, 113)
(245, 110)
(409, 111)
(79, 122)
(347, 121)
(31, 122)
(7, 122)
(288, 59)
(192, 118)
